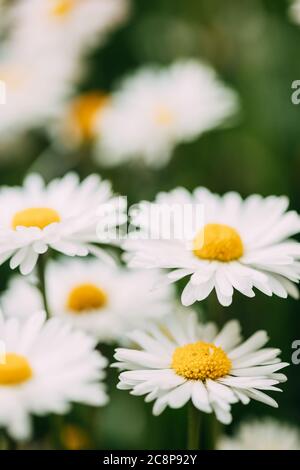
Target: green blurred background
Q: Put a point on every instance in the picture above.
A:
(254, 47)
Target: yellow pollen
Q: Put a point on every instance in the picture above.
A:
(61, 8)
(85, 297)
(163, 116)
(218, 242)
(35, 217)
(83, 112)
(200, 361)
(15, 370)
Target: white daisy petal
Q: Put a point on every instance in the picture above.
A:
(200, 397)
(55, 367)
(177, 364)
(239, 250)
(60, 216)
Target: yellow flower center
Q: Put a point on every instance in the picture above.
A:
(83, 112)
(218, 242)
(15, 370)
(86, 297)
(200, 361)
(163, 116)
(35, 217)
(61, 8)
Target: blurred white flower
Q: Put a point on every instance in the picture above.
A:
(65, 215)
(105, 301)
(191, 361)
(237, 245)
(156, 109)
(67, 26)
(47, 366)
(263, 434)
(35, 88)
(22, 297)
(295, 11)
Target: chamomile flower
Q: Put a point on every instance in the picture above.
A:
(230, 244)
(46, 367)
(65, 215)
(34, 89)
(187, 360)
(73, 25)
(106, 301)
(156, 109)
(264, 434)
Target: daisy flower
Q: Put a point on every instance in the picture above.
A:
(35, 89)
(264, 434)
(230, 244)
(65, 215)
(187, 360)
(73, 25)
(106, 301)
(156, 109)
(46, 367)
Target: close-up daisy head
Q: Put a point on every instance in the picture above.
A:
(189, 361)
(74, 25)
(44, 368)
(157, 108)
(66, 215)
(262, 434)
(106, 301)
(219, 242)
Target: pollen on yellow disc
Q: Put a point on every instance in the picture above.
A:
(82, 114)
(218, 242)
(61, 8)
(85, 297)
(200, 361)
(15, 370)
(163, 115)
(35, 217)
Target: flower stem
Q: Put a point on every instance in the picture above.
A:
(41, 269)
(194, 418)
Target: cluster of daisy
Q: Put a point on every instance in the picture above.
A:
(74, 292)
(57, 313)
(147, 114)
(40, 54)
